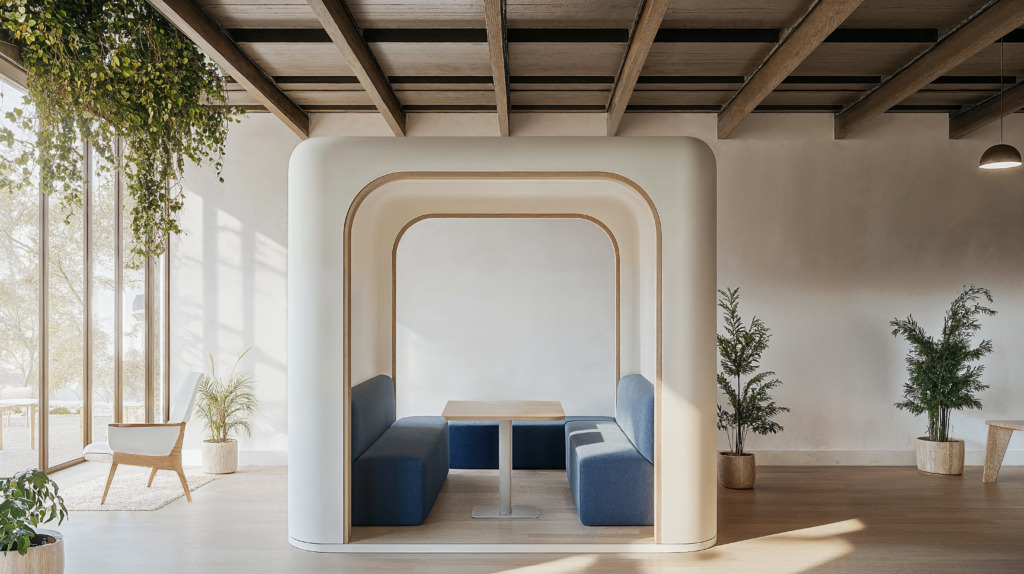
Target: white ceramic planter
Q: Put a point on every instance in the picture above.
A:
(45, 559)
(936, 457)
(220, 457)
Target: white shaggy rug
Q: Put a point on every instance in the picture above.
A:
(129, 492)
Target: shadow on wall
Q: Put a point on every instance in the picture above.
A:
(229, 283)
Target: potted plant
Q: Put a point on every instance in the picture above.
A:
(942, 378)
(30, 498)
(225, 406)
(752, 406)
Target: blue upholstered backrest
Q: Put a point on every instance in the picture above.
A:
(634, 412)
(373, 412)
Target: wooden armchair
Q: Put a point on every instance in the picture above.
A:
(155, 446)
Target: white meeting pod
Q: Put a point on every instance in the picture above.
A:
(352, 199)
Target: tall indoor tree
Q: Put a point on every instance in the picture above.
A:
(107, 69)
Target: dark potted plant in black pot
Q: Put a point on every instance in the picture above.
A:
(30, 498)
(752, 406)
(943, 378)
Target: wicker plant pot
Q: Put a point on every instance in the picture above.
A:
(936, 457)
(220, 457)
(47, 558)
(736, 472)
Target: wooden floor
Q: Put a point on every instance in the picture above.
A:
(798, 519)
(451, 521)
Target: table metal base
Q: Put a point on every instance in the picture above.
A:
(518, 511)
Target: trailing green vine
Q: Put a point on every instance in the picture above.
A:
(107, 69)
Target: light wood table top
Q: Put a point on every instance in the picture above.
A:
(503, 411)
(1015, 425)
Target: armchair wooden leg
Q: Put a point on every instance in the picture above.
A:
(152, 475)
(184, 483)
(110, 478)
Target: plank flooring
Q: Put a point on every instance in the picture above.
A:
(797, 520)
(450, 520)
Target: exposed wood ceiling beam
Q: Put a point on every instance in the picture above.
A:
(497, 41)
(647, 25)
(986, 112)
(817, 24)
(335, 18)
(11, 69)
(976, 33)
(210, 38)
(587, 35)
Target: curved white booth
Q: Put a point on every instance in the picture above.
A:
(350, 202)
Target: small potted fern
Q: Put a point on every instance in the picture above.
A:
(752, 406)
(225, 406)
(943, 378)
(29, 499)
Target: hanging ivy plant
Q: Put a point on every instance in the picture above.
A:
(107, 69)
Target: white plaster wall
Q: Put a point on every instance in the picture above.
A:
(229, 281)
(828, 241)
(506, 309)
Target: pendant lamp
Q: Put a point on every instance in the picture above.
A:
(1000, 156)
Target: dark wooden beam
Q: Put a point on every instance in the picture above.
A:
(212, 40)
(986, 112)
(497, 41)
(335, 18)
(968, 39)
(818, 23)
(11, 69)
(647, 25)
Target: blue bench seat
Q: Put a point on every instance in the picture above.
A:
(398, 467)
(610, 464)
(536, 445)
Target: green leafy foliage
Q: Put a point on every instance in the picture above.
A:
(740, 349)
(942, 378)
(226, 404)
(107, 69)
(29, 499)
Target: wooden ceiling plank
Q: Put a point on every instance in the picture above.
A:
(820, 21)
(999, 19)
(647, 26)
(339, 25)
(497, 41)
(986, 112)
(12, 70)
(212, 40)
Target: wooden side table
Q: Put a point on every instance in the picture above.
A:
(504, 412)
(999, 433)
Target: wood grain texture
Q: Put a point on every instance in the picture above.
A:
(647, 25)
(822, 19)
(839, 520)
(342, 30)
(1000, 19)
(503, 411)
(213, 41)
(737, 472)
(995, 447)
(986, 111)
(497, 43)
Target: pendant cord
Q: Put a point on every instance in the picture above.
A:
(1001, 90)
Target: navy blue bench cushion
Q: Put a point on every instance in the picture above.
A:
(634, 411)
(373, 412)
(535, 444)
(397, 480)
(612, 484)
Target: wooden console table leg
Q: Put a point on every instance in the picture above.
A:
(32, 426)
(995, 450)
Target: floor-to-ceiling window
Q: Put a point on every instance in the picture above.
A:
(82, 322)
